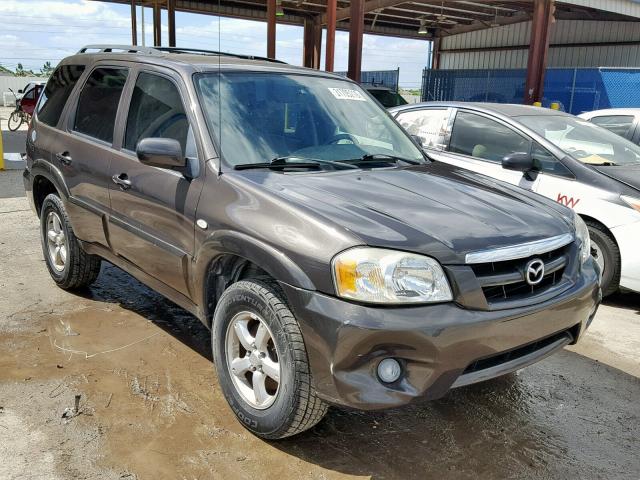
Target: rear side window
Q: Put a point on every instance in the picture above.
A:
(481, 137)
(57, 92)
(430, 125)
(156, 111)
(98, 103)
(619, 124)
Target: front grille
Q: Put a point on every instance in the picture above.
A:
(505, 281)
(504, 357)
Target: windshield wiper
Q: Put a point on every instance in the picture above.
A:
(383, 157)
(280, 163)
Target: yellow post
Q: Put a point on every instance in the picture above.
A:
(1, 153)
(554, 106)
(537, 104)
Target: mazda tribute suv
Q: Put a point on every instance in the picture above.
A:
(333, 262)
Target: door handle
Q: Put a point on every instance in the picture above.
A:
(64, 158)
(122, 181)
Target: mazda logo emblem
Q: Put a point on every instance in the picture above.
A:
(534, 271)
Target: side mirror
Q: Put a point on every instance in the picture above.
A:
(20, 91)
(521, 162)
(161, 152)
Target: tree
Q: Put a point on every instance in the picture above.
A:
(46, 69)
(20, 72)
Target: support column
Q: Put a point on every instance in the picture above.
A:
(332, 6)
(307, 43)
(356, 33)
(538, 47)
(157, 25)
(271, 29)
(435, 54)
(171, 16)
(317, 42)
(134, 26)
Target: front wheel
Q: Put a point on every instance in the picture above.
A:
(15, 120)
(262, 362)
(607, 255)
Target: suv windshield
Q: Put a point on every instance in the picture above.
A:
(258, 117)
(583, 140)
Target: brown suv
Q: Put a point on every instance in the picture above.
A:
(333, 261)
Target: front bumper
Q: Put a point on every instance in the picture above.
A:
(439, 346)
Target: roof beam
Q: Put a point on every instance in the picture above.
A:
(371, 5)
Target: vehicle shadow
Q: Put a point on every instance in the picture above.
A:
(116, 286)
(624, 299)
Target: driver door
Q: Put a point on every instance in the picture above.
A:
(153, 209)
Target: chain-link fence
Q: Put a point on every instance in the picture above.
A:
(575, 89)
(379, 78)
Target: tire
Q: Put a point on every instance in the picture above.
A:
(295, 405)
(15, 120)
(76, 268)
(604, 244)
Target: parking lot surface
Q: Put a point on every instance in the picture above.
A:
(150, 406)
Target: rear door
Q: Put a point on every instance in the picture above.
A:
(82, 150)
(152, 218)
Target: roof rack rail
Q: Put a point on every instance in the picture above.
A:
(118, 49)
(160, 50)
(199, 51)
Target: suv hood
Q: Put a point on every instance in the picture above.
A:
(435, 209)
(627, 174)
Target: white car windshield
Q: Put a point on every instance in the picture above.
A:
(583, 140)
(259, 117)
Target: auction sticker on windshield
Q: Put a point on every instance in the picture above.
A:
(347, 94)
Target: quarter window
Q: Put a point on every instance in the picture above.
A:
(156, 111)
(429, 125)
(547, 161)
(619, 124)
(481, 137)
(98, 103)
(57, 92)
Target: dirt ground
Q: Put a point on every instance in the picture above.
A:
(150, 406)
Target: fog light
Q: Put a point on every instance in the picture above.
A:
(389, 370)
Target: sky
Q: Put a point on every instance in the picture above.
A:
(35, 31)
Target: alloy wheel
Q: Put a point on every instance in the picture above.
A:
(253, 360)
(56, 242)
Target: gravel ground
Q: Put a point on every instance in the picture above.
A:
(150, 406)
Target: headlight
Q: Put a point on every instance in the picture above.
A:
(376, 275)
(582, 234)
(632, 202)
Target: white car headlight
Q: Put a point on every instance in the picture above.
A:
(376, 275)
(582, 234)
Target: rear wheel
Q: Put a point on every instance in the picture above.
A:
(262, 362)
(15, 120)
(69, 265)
(607, 255)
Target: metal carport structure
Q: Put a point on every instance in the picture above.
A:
(431, 20)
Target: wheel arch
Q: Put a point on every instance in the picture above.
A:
(229, 256)
(46, 179)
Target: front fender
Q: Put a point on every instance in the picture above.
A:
(228, 242)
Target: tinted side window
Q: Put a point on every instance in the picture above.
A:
(98, 103)
(430, 125)
(156, 111)
(481, 137)
(57, 92)
(619, 124)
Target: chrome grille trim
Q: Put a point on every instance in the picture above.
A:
(522, 250)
